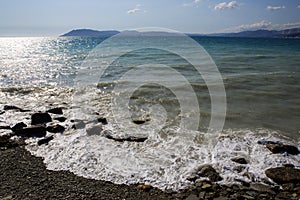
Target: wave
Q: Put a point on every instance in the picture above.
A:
(164, 162)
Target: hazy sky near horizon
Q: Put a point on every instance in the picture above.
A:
(54, 17)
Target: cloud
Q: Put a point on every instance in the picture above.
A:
(261, 25)
(285, 26)
(298, 6)
(187, 4)
(226, 5)
(134, 10)
(194, 3)
(272, 8)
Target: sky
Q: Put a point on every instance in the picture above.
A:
(55, 17)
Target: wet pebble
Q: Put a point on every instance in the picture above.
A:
(239, 160)
(55, 111)
(283, 175)
(40, 118)
(55, 128)
(32, 131)
(283, 148)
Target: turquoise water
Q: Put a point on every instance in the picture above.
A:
(261, 76)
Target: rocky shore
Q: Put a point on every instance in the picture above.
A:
(24, 176)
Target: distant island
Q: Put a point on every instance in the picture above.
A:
(90, 33)
(287, 33)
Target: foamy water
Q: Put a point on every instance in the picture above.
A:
(163, 163)
(165, 160)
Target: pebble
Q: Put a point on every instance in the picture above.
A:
(18, 126)
(32, 131)
(209, 172)
(144, 187)
(55, 128)
(45, 140)
(40, 118)
(282, 148)
(239, 160)
(206, 186)
(282, 175)
(60, 119)
(261, 188)
(11, 107)
(55, 111)
(102, 120)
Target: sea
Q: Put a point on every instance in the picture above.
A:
(197, 100)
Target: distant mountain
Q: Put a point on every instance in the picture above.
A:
(295, 32)
(196, 34)
(95, 33)
(257, 33)
(90, 33)
(288, 33)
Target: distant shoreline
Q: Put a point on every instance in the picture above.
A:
(287, 33)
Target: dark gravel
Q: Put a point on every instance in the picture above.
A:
(24, 176)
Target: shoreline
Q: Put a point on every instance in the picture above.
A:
(24, 176)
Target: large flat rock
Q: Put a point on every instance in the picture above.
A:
(282, 175)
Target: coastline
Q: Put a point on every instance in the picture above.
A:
(26, 177)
